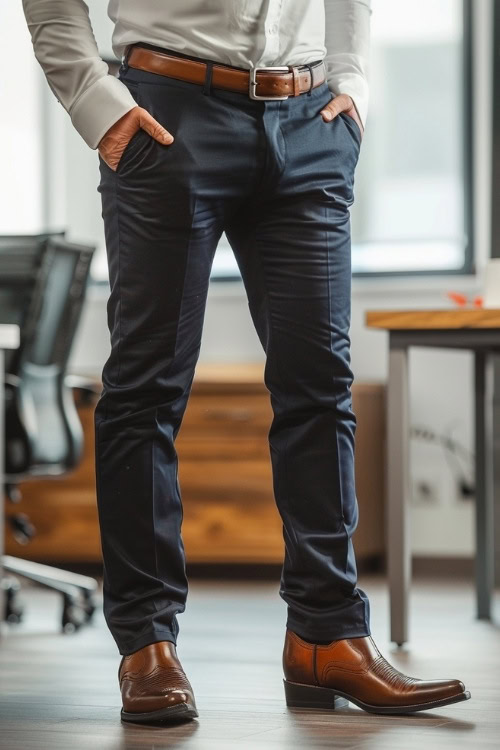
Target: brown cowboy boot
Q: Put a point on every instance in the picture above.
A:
(154, 686)
(354, 668)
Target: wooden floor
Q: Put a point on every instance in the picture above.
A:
(61, 691)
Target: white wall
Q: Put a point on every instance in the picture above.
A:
(21, 151)
(441, 382)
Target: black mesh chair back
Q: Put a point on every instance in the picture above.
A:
(20, 261)
(43, 401)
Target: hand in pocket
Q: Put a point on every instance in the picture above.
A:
(342, 103)
(116, 139)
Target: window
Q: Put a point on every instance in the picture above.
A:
(411, 211)
(22, 209)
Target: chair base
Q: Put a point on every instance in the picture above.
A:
(78, 591)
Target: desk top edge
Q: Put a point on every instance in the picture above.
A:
(433, 319)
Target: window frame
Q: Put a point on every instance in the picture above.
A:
(469, 266)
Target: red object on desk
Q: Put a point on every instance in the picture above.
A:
(462, 301)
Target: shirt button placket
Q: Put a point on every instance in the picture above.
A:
(271, 29)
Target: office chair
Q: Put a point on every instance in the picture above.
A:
(44, 436)
(20, 260)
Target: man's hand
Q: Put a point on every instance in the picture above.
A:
(341, 103)
(114, 141)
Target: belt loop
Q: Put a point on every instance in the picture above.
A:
(208, 78)
(311, 77)
(125, 65)
(296, 80)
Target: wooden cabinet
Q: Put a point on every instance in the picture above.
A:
(225, 477)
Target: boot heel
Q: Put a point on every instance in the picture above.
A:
(311, 696)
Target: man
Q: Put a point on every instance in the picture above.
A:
(195, 138)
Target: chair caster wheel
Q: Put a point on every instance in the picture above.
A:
(73, 615)
(14, 608)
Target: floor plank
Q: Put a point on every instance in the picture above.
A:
(61, 691)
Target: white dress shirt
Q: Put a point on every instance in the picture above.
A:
(244, 33)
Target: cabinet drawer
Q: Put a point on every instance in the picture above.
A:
(226, 416)
(230, 448)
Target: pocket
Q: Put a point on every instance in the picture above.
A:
(353, 127)
(129, 148)
(141, 136)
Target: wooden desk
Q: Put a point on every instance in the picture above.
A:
(479, 331)
(9, 339)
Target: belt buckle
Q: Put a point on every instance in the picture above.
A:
(253, 82)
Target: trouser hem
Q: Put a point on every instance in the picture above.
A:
(153, 636)
(332, 633)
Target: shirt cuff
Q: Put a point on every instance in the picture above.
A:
(357, 88)
(99, 107)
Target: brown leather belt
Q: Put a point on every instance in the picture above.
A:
(267, 82)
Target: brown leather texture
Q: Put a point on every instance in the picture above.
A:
(153, 678)
(356, 668)
(296, 81)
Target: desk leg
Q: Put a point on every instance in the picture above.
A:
(2, 494)
(484, 482)
(398, 492)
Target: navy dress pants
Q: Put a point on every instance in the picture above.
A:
(278, 180)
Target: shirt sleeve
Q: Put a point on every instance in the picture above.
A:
(65, 46)
(347, 42)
